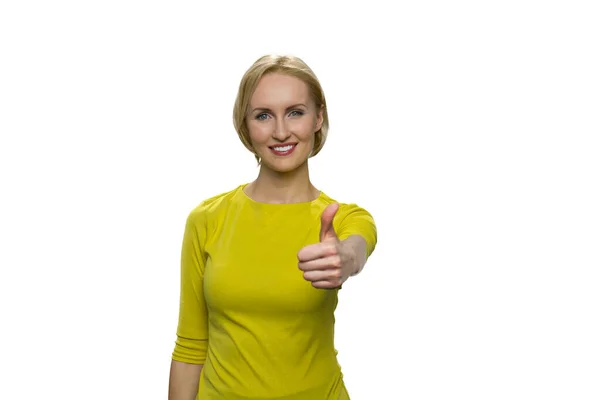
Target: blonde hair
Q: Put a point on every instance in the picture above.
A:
(288, 65)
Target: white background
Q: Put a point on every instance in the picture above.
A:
(468, 129)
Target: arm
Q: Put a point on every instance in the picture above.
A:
(358, 236)
(183, 380)
(346, 242)
(356, 247)
(191, 345)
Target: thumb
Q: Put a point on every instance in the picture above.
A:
(327, 230)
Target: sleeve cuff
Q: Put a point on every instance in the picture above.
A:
(190, 351)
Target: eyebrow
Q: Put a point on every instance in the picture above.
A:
(287, 109)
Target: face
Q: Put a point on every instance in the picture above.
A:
(282, 122)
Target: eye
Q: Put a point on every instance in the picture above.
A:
(296, 113)
(262, 116)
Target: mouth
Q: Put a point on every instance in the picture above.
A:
(283, 149)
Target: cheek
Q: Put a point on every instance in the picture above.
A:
(305, 128)
(259, 133)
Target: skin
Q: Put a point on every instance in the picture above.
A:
(184, 379)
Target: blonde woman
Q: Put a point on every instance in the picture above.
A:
(261, 265)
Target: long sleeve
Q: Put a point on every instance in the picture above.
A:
(192, 330)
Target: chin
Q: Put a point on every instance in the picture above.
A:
(284, 165)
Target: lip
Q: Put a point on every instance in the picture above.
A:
(284, 153)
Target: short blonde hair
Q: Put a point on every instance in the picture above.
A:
(288, 65)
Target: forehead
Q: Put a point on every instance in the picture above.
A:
(276, 89)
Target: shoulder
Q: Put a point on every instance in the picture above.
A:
(346, 210)
(213, 206)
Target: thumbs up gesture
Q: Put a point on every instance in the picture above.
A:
(329, 263)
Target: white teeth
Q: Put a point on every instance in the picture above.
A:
(282, 149)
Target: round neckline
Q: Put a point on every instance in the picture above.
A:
(262, 204)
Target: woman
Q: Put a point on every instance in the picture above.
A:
(261, 264)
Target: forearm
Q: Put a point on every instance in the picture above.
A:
(183, 380)
(358, 249)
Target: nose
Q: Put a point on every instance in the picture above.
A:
(281, 132)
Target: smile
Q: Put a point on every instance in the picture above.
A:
(283, 150)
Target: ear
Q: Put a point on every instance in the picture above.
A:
(319, 123)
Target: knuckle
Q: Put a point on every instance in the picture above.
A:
(300, 255)
(332, 250)
(337, 262)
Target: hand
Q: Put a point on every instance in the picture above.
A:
(329, 263)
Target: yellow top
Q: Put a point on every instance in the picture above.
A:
(246, 312)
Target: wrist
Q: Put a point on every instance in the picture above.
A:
(354, 248)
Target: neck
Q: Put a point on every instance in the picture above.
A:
(282, 187)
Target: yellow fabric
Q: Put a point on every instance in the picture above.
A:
(246, 312)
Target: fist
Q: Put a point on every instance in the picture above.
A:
(323, 263)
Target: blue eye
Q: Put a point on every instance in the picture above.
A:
(265, 116)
